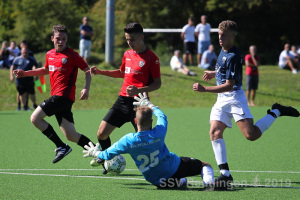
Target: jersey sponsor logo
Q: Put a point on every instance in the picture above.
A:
(51, 58)
(127, 70)
(64, 60)
(128, 59)
(141, 63)
(51, 68)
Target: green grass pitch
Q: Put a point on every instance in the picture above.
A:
(268, 168)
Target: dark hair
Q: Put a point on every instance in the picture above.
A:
(192, 19)
(133, 27)
(59, 28)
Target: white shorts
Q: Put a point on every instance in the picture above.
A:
(230, 105)
(85, 48)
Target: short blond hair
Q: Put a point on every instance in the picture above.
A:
(143, 115)
(228, 25)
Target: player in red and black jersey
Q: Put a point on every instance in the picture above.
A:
(140, 70)
(62, 65)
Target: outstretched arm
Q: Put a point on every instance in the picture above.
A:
(111, 73)
(36, 72)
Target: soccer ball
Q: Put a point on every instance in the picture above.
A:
(116, 165)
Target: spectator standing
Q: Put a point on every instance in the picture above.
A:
(287, 60)
(189, 42)
(208, 60)
(86, 33)
(25, 85)
(176, 64)
(252, 62)
(202, 32)
(14, 49)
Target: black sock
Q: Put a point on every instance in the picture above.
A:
(105, 143)
(51, 134)
(19, 105)
(83, 140)
(224, 166)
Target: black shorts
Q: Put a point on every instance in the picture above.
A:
(251, 82)
(121, 112)
(58, 106)
(188, 167)
(27, 87)
(189, 47)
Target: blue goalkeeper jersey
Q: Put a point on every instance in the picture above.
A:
(148, 150)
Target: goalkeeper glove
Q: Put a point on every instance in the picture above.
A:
(91, 150)
(142, 100)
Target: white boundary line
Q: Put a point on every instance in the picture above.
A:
(5, 171)
(238, 171)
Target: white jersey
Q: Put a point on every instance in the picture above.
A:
(174, 63)
(189, 33)
(204, 32)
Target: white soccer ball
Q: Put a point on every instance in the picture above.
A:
(116, 165)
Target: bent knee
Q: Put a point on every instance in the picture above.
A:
(101, 135)
(33, 119)
(250, 136)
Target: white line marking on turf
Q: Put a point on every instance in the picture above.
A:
(238, 171)
(124, 178)
(76, 176)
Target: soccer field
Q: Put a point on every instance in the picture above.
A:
(268, 168)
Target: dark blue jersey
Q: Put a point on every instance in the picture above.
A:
(86, 28)
(24, 64)
(229, 66)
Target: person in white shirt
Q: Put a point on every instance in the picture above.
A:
(209, 58)
(202, 32)
(287, 60)
(189, 42)
(176, 64)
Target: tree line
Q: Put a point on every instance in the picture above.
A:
(266, 23)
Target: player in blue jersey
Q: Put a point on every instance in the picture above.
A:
(232, 102)
(147, 148)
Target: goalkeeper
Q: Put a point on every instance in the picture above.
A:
(147, 148)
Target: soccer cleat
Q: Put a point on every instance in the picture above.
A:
(223, 182)
(96, 162)
(209, 187)
(183, 183)
(285, 110)
(61, 152)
